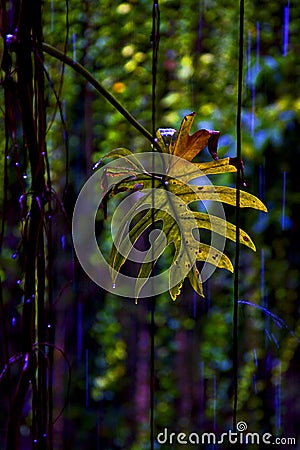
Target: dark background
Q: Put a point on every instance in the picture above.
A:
(104, 338)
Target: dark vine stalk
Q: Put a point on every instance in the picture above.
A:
(31, 102)
(237, 213)
(155, 46)
(3, 313)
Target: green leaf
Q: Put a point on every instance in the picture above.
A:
(195, 280)
(125, 155)
(216, 167)
(178, 169)
(176, 290)
(222, 227)
(222, 194)
(161, 143)
(166, 206)
(214, 257)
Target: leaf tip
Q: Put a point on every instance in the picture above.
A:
(230, 268)
(175, 291)
(213, 144)
(261, 206)
(246, 240)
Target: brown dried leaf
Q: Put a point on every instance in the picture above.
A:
(188, 146)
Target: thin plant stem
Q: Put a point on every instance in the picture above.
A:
(155, 46)
(237, 214)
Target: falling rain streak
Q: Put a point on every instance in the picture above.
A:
(264, 299)
(79, 332)
(254, 375)
(257, 47)
(251, 83)
(278, 400)
(195, 305)
(74, 46)
(253, 69)
(262, 277)
(202, 393)
(286, 20)
(283, 200)
(263, 289)
(215, 401)
(52, 16)
(86, 378)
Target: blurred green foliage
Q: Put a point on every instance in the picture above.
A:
(106, 337)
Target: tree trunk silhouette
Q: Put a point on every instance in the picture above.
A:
(23, 42)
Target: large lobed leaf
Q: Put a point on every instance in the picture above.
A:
(175, 220)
